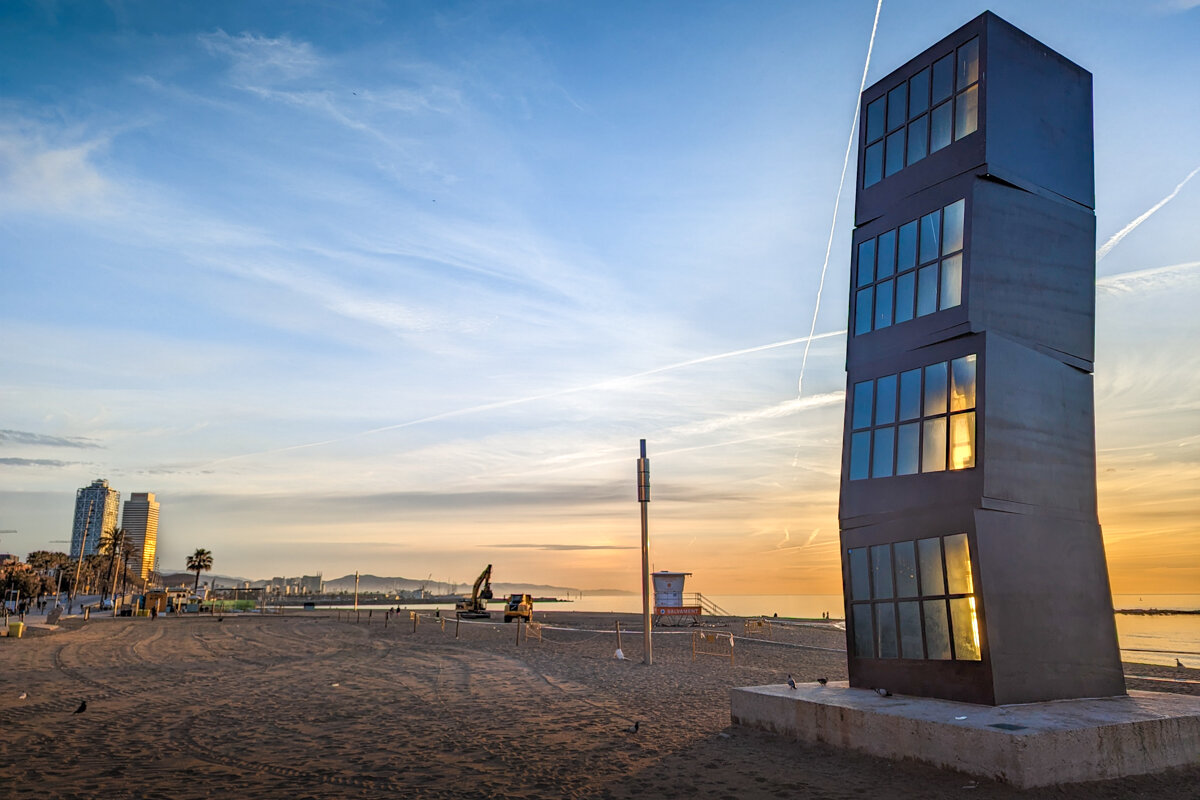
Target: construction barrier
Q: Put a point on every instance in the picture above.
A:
(756, 627)
(712, 644)
(533, 629)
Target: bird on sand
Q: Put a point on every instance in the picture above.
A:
(82, 707)
(23, 695)
(791, 683)
(634, 727)
(822, 681)
(1178, 663)
(883, 693)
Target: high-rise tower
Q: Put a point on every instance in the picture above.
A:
(972, 559)
(140, 521)
(95, 515)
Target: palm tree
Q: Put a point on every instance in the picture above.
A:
(112, 543)
(197, 561)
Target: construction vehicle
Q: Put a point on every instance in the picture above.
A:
(476, 606)
(519, 606)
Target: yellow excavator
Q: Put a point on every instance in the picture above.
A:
(476, 607)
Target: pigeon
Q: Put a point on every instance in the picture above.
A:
(822, 681)
(883, 693)
(335, 684)
(82, 707)
(23, 695)
(220, 619)
(791, 683)
(634, 727)
(1178, 663)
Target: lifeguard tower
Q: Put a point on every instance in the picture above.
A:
(669, 605)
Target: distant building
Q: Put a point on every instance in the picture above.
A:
(140, 521)
(95, 514)
(312, 584)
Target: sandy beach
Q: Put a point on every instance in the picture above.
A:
(305, 705)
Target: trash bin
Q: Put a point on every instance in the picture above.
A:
(16, 629)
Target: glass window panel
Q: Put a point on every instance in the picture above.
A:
(907, 448)
(951, 282)
(875, 120)
(905, 294)
(862, 310)
(882, 466)
(873, 164)
(935, 389)
(929, 552)
(943, 78)
(906, 252)
(885, 630)
(894, 161)
(937, 630)
(860, 455)
(939, 128)
(966, 628)
(966, 116)
(962, 440)
(952, 227)
(910, 394)
(883, 305)
(866, 262)
(881, 571)
(864, 636)
(860, 575)
(897, 109)
(885, 400)
(918, 93)
(910, 630)
(931, 226)
(968, 63)
(863, 397)
(933, 445)
(905, 554)
(962, 383)
(958, 564)
(927, 286)
(886, 258)
(918, 139)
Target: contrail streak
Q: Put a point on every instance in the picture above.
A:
(837, 201)
(516, 401)
(1128, 229)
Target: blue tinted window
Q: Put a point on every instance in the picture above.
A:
(962, 383)
(935, 389)
(881, 571)
(908, 448)
(904, 296)
(910, 394)
(943, 78)
(918, 93)
(951, 282)
(929, 551)
(937, 629)
(933, 445)
(866, 262)
(862, 311)
(864, 637)
(863, 396)
(897, 110)
(885, 631)
(918, 132)
(968, 64)
(860, 575)
(939, 127)
(906, 252)
(927, 286)
(931, 225)
(885, 400)
(875, 120)
(894, 160)
(883, 305)
(860, 455)
(886, 254)
(873, 163)
(882, 466)
(966, 116)
(905, 556)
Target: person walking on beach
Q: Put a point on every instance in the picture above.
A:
(154, 612)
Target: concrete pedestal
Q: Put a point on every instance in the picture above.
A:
(1035, 744)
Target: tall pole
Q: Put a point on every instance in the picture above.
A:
(643, 484)
(356, 590)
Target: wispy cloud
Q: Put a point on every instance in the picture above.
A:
(562, 546)
(36, 462)
(1151, 279)
(44, 440)
(51, 176)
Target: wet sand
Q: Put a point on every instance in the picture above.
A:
(308, 706)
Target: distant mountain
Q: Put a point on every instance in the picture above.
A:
(188, 578)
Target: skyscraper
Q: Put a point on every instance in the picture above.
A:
(140, 521)
(95, 514)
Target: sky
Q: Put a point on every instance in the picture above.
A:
(399, 287)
